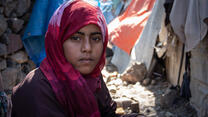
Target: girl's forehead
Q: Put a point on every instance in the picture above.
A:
(90, 28)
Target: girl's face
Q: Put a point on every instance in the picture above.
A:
(84, 48)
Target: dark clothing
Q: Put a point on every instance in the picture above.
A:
(34, 97)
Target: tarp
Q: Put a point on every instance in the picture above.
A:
(126, 29)
(144, 47)
(106, 8)
(188, 21)
(34, 35)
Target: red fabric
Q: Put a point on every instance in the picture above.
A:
(126, 29)
(74, 91)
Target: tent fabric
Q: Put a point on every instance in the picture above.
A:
(112, 8)
(126, 29)
(120, 59)
(106, 8)
(34, 35)
(188, 21)
(144, 48)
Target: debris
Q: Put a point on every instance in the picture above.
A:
(146, 81)
(135, 73)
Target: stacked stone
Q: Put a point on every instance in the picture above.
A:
(14, 61)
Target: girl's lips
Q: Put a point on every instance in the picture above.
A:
(86, 60)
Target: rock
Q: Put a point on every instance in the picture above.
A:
(162, 114)
(135, 107)
(158, 78)
(31, 64)
(3, 49)
(10, 7)
(9, 76)
(116, 82)
(153, 82)
(4, 39)
(3, 24)
(167, 99)
(1, 10)
(26, 17)
(8, 31)
(120, 111)
(123, 102)
(146, 81)
(134, 73)
(118, 102)
(10, 62)
(20, 57)
(25, 68)
(3, 64)
(22, 7)
(13, 15)
(20, 77)
(15, 24)
(168, 114)
(147, 111)
(125, 83)
(111, 68)
(112, 89)
(112, 76)
(150, 111)
(15, 43)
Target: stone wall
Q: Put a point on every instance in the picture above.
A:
(14, 61)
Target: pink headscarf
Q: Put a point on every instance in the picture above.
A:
(74, 91)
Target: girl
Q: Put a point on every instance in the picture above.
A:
(68, 82)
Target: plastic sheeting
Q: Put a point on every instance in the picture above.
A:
(144, 46)
(34, 34)
(126, 29)
(111, 9)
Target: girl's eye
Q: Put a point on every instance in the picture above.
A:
(75, 38)
(97, 39)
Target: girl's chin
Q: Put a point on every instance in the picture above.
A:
(85, 71)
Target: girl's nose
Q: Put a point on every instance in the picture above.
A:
(86, 45)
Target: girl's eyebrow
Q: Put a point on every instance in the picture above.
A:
(81, 33)
(94, 33)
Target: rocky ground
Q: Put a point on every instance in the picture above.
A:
(157, 99)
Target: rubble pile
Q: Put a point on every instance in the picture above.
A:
(156, 99)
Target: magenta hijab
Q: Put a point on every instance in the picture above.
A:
(74, 91)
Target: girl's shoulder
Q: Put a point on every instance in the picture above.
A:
(35, 95)
(31, 82)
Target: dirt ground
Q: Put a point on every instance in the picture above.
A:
(154, 100)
